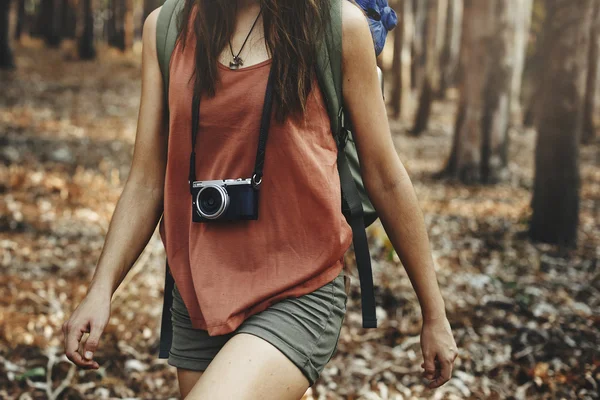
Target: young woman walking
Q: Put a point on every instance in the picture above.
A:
(258, 304)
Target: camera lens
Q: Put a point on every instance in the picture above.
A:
(212, 201)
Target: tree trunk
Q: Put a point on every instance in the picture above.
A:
(555, 200)
(450, 52)
(128, 25)
(402, 61)
(7, 60)
(418, 44)
(87, 51)
(69, 19)
(589, 129)
(436, 17)
(20, 19)
(497, 94)
(117, 24)
(51, 19)
(481, 131)
(522, 14)
(396, 97)
(534, 65)
(121, 27)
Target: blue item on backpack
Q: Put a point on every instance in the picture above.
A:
(382, 18)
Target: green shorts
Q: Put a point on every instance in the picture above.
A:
(305, 329)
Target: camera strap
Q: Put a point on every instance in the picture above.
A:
(265, 123)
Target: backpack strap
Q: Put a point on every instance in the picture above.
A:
(329, 74)
(166, 36)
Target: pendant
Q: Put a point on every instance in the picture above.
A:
(235, 64)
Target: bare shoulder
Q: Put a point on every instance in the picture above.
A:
(353, 16)
(357, 41)
(149, 30)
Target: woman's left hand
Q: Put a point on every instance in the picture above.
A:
(439, 351)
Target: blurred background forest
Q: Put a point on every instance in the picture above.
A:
(493, 106)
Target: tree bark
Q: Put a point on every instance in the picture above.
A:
(589, 128)
(87, 50)
(555, 200)
(396, 96)
(418, 44)
(436, 18)
(522, 14)
(497, 94)
(117, 24)
(401, 63)
(20, 19)
(129, 26)
(51, 20)
(450, 52)
(121, 24)
(479, 150)
(7, 60)
(534, 65)
(69, 18)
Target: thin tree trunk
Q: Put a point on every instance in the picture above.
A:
(117, 24)
(522, 14)
(7, 60)
(408, 28)
(555, 200)
(450, 52)
(20, 19)
(87, 50)
(69, 18)
(418, 44)
(436, 17)
(451, 169)
(52, 10)
(589, 128)
(396, 96)
(128, 25)
(401, 64)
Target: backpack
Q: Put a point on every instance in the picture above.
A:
(356, 206)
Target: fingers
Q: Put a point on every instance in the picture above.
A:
(92, 341)
(81, 351)
(443, 375)
(429, 366)
(73, 334)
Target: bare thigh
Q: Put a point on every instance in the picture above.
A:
(187, 378)
(250, 368)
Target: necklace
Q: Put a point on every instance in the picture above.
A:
(237, 61)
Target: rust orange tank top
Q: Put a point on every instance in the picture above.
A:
(227, 272)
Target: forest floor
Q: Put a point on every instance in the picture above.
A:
(526, 316)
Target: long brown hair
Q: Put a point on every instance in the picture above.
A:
(293, 29)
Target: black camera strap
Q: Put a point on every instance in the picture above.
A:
(262, 139)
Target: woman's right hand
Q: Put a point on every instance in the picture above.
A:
(91, 316)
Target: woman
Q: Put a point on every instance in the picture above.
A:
(259, 304)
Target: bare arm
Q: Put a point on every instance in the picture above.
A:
(386, 180)
(140, 206)
(135, 217)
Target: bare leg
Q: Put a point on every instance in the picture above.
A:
(250, 368)
(187, 379)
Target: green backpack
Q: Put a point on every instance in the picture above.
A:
(356, 206)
